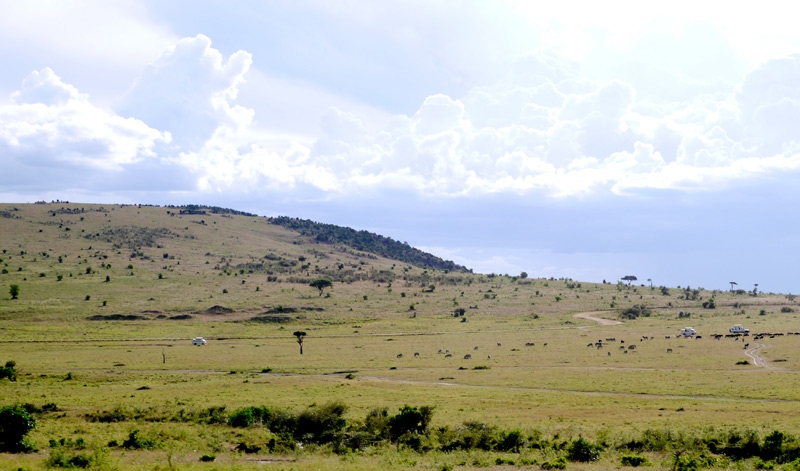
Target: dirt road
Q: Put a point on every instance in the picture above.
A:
(593, 316)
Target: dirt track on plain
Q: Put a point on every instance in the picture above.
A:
(593, 316)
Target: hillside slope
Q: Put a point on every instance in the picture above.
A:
(69, 257)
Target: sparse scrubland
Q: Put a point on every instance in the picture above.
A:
(403, 365)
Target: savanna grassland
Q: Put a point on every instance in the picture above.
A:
(497, 371)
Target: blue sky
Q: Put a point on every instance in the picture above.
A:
(574, 140)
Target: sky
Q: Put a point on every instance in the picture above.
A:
(587, 140)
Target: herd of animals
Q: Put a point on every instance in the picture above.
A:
(601, 343)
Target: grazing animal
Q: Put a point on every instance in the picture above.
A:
(416, 354)
(468, 357)
(399, 355)
(667, 336)
(632, 347)
(544, 345)
(625, 351)
(448, 355)
(669, 350)
(529, 344)
(489, 356)
(498, 344)
(440, 351)
(475, 348)
(746, 345)
(609, 353)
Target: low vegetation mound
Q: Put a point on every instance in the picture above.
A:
(219, 310)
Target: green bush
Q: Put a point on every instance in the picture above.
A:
(558, 463)
(582, 450)
(633, 460)
(15, 424)
(410, 420)
(321, 424)
(8, 371)
(136, 441)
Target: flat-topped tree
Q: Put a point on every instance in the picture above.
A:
(321, 284)
(300, 335)
(629, 279)
(733, 283)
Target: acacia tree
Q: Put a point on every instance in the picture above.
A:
(733, 283)
(321, 284)
(300, 335)
(629, 279)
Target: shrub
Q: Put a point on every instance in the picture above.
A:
(136, 441)
(8, 371)
(582, 450)
(410, 420)
(558, 463)
(15, 424)
(633, 460)
(635, 311)
(321, 424)
(207, 458)
(13, 290)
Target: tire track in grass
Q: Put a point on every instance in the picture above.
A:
(753, 354)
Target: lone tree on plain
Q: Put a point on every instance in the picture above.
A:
(321, 284)
(629, 279)
(300, 335)
(14, 291)
(733, 283)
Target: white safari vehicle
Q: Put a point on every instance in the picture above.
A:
(688, 332)
(198, 341)
(738, 329)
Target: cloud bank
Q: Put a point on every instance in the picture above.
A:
(543, 128)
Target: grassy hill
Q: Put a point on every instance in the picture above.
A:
(72, 258)
(513, 369)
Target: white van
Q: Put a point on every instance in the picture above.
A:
(198, 341)
(688, 332)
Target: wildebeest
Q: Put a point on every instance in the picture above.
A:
(468, 357)
(416, 354)
(669, 350)
(448, 355)
(399, 355)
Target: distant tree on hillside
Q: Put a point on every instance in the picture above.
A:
(629, 279)
(733, 283)
(321, 284)
(14, 291)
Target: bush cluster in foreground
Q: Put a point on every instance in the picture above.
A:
(325, 428)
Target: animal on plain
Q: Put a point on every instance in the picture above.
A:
(399, 355)
(669, 350)
(468, 357)
(448, 355)
(416, 354)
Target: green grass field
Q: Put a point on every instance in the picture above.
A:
(379, 338)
